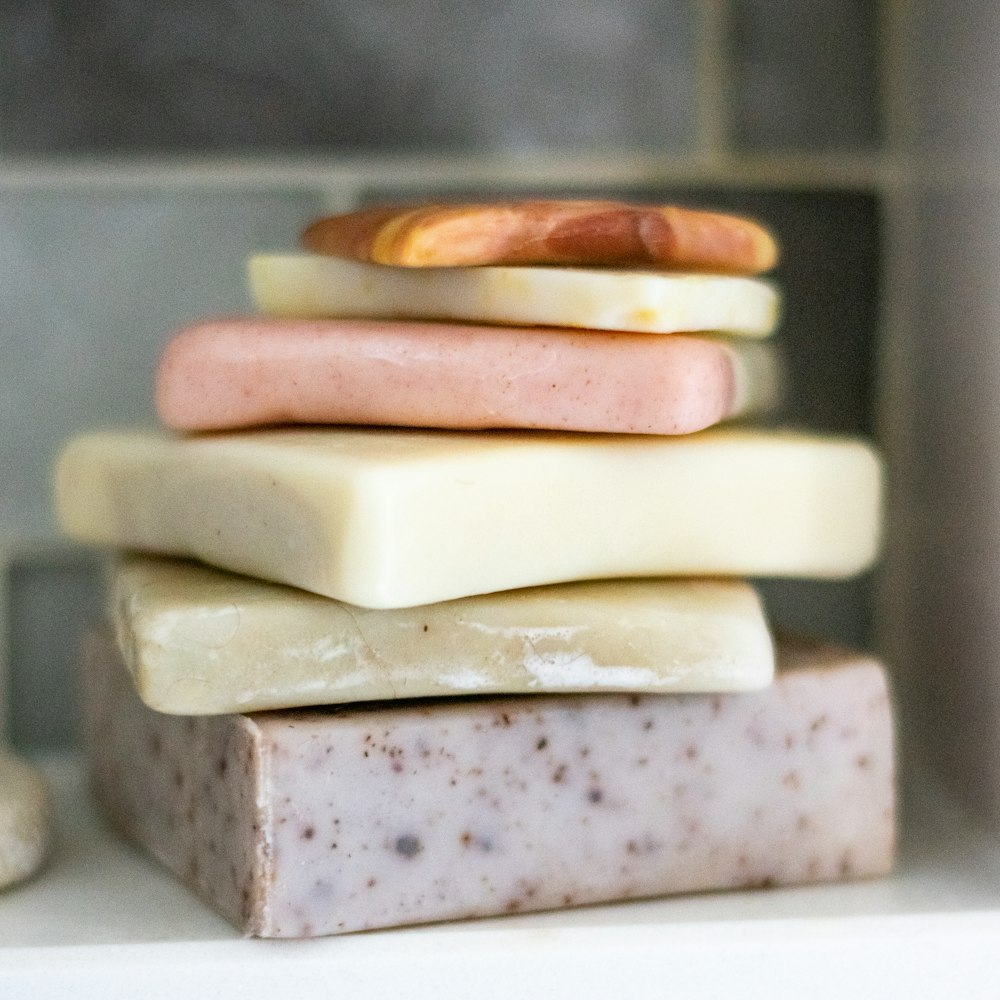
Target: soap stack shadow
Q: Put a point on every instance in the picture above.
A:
(499, 652)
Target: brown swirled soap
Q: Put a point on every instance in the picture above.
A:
(547, 232)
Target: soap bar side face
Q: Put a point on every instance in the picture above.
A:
(313, 286)
(199, 641)
(398, 518)
(237, 373)
(188, 790)
(381, 817)
(608, 233)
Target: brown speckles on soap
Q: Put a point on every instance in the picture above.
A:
(408, 846)
(521, 804)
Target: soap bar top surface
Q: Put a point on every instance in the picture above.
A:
(244, 372)
(320, 822)
(610, 233)
(393, 518)
(199, 641)
(314, 286)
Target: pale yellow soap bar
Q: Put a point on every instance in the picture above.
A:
(311, 285)
(200, 641)
(392, 518)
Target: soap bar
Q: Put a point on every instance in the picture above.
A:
(235, 373)
(391, 518)
(301, 823)
(311, 285)
(26, 819)
(200, 641)
(546, 232)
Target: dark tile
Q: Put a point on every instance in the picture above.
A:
(52, 602)
(322, 76)
(805, 75)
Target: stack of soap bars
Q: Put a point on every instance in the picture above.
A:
(469, 631)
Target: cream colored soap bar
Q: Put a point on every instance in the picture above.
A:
(306, 285)
(199, 641)
(26, 819)
(392, 518)
(299, 823)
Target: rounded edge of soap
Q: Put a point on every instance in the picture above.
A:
(26, 820)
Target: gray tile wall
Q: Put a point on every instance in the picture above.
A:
(97, 276)
(504, 75)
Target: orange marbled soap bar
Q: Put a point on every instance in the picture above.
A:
(577, 232)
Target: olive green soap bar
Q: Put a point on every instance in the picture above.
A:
(202, 641)
(393, 518)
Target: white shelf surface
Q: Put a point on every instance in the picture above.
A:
(103, 921)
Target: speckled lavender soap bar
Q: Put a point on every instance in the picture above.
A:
(308, 822)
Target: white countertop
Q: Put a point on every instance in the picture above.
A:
(103, 921)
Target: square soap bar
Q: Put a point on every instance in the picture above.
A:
(310, 285)
(603, 233)
(395, 518)
(200, 641)
(301, 823)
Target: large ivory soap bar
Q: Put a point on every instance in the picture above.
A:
(234, 373)
(311, 285)
(320, 822)
(392, 518)
(199, 641)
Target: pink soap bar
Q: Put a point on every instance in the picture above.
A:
(243, 372)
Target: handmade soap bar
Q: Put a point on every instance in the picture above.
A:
(303, 823)
(546, 232)
(311, 285)
(390, 518)
(200, 641)
(236, 373)
(26, 819)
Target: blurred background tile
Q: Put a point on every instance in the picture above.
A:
(335, 75)
(804, 75)
(95, 281)
(954, 97)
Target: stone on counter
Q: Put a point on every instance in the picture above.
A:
(236, 373)
(199, 641)
(26, 819)
(389, 518)
(609, 233)
(314, 286)
(302, 823)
